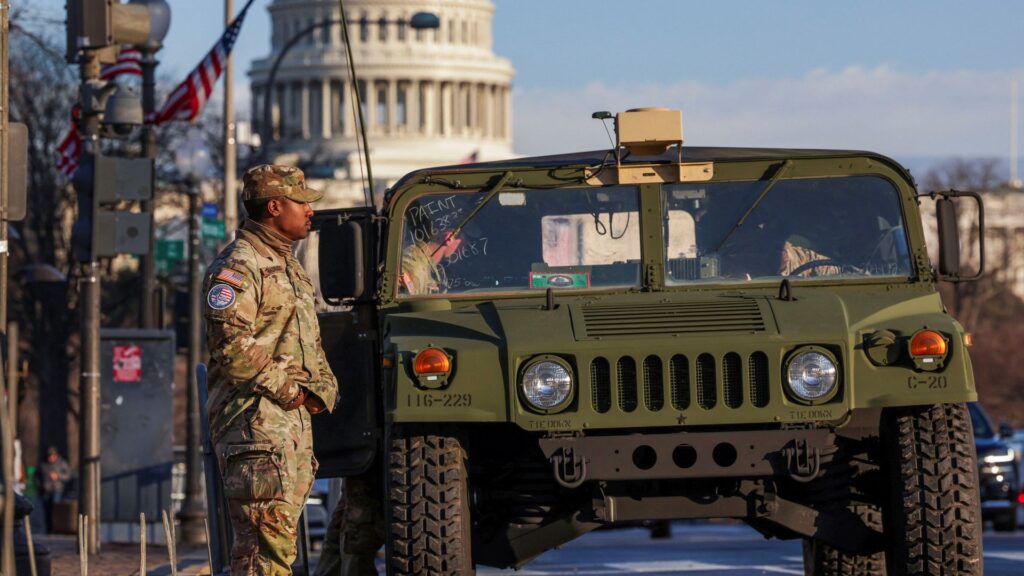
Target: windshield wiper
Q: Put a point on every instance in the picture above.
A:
(491, 193)
(779, 172)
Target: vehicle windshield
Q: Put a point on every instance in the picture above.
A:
(982, 427)
(566, 238)
(802, 229)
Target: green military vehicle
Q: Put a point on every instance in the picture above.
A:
(539, 347)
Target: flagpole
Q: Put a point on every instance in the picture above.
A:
(230, 167)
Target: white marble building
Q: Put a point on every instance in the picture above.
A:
(430, 97)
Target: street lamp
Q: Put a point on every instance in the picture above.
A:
(159, 23)
(193, 163)
(419, 21)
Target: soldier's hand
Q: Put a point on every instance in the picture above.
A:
(298, 400)
(297, 374)
(314, 404)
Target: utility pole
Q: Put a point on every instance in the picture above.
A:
(89, 290)
(6, 425)
(230, 168)
(193, 514)
(160, 15)
(147, 307)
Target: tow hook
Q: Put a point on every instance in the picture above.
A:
(802, 462)
(569, 468)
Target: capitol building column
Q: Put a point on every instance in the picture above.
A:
(325, 109)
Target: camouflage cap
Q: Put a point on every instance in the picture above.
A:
(266, 181)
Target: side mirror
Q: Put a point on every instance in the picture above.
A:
(1005, 430)
(343, 255)
(949, 235)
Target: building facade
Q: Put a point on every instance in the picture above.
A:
(429, 97)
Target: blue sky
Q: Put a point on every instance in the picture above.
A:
(910, 79)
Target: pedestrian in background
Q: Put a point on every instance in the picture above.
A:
(54, 474)
(268, 372)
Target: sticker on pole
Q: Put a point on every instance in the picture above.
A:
(128, 363)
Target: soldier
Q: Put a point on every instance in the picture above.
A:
(268, 371)
(356, 530)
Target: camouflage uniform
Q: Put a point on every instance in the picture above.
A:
(265, 350)
(356, 530)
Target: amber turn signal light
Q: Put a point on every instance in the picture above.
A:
(968, 339)
(928, 343)
(432, 361)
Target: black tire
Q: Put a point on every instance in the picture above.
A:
(428, 506)
(933, 521)
(820, 559)
(1006, 522)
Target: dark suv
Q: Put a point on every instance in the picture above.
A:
(997, 473)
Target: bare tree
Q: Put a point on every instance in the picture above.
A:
(43, 301)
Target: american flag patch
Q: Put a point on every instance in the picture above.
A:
(232, 277)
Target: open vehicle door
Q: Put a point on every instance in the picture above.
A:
(344, 242)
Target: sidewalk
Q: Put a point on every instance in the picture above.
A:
(122, 559)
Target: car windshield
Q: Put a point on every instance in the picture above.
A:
(800, 228)
(566, 238)
(982, 427)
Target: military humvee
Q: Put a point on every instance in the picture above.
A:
(539, 347)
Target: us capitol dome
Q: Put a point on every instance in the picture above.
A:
(430, 97)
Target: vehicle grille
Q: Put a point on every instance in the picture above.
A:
(735, 378)
(734, 315)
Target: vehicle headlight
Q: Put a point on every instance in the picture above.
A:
(999, 456)
(546, 384)
(812, 375)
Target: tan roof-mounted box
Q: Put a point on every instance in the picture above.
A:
(648, 131)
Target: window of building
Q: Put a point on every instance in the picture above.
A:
(423, 105)
(421, 35)
(382, 104)
(465, 32)
(364, 28)
(401, 29)
(451, 31)
(362, 97)
(382, 29)
(325, 34)
(401, 115)
(316, 109)
(295, 109)
(337, 106)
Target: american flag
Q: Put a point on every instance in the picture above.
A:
(70, 148)
(129, 60)
(188, 98)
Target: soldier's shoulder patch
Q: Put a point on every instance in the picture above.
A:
(230, 276)
(220, 297)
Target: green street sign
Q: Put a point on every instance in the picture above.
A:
(167, 253)
(170, 250)
(213, 228)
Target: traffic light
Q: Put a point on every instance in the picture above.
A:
(103, 228)
(94, 24)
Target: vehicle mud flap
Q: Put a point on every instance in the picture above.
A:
(570, 469)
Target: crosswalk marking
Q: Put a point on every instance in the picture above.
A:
(666, 566)
(1008, 555)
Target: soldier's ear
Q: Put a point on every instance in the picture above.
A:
(274, 207)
